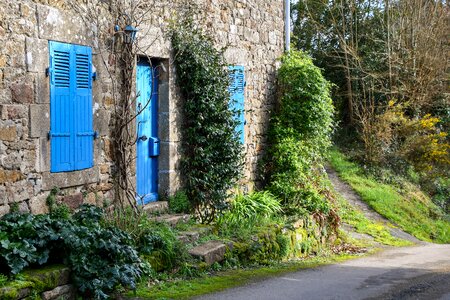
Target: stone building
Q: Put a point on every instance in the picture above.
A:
(43, 145)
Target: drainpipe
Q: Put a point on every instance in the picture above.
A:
(287, 24)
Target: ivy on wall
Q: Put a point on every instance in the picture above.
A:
(211, 152)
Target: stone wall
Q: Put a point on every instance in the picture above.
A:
(252, 31)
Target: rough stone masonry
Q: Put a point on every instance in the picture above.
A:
(252, 31)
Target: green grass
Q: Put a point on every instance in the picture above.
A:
(185, 289)
(378, 231)
(407, 207)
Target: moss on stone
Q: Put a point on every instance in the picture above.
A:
(36, 280)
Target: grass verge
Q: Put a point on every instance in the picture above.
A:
(185, 289)
(352, 216)
(405, 206)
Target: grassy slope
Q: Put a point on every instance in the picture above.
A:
(378, 231)
(409, 208)
(185, 289)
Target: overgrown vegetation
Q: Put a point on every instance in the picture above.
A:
(211, 152)
(355, 218)
(397, 200)
(299, 135)
(100, 257)
(389, 62)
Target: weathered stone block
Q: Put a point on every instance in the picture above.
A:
(169, 157)
(66, 292)
(101, 121)
(38, 205)
(13, 112)
(22, 92)
(8, 133)
(23, 207)
(42, 86)
(43, 155)
(210, 252)
(169, 182)
(56, 25)
(10, 176)
(156, 207)
(164, 100)
(4, 209)
(39, 120)
(73, 201)
(90, 199)
(69, 179)
(37, 55)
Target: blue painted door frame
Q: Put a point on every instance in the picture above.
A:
(147, 131)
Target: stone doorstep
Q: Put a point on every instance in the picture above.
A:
(173, 220)
(156, 207)
(211, 252)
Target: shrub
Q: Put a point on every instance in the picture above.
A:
(101, 257)
(266, 246)
(248, 210)
(211, 151)
(156, 242)
(179, 203)
(299, 136)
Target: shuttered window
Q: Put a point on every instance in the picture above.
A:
(71, 124)
(237, 101)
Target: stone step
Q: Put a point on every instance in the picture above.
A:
(211, 252)
(194, 234)
(157, 207)
(188, 237)
(173, 220)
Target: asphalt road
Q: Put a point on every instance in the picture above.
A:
(419, 272)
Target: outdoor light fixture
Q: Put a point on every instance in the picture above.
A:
(129, 32)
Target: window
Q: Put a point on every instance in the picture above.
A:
(71, 125)
(237, 100)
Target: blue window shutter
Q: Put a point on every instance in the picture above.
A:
(60, 108)
(71, 126)
(237, 101)
(83, 126)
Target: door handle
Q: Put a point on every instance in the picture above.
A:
(143, 138)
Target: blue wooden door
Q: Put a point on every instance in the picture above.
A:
(147, 133)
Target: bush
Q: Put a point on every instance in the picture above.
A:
(156, 242)
(248, 210)
(299, 136)
(179, 203)
(211, 151)
(100, 257)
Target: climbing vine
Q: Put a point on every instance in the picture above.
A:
(211, 151)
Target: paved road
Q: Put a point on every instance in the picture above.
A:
(420, 272)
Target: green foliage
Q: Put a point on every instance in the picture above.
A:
(179, 203)
(3, 280)
(378, 231)
(57, 210)
(156, 242)
(404, 205)
(266, 246)
(300, 132)
(211, 152)
(101, 258)
(248, 210)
